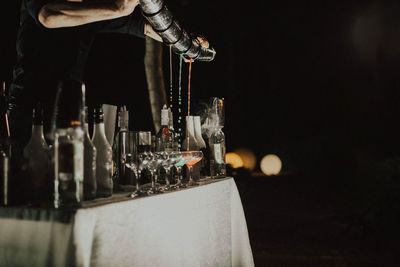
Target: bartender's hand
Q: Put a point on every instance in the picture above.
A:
(203, 42)
(126, 7)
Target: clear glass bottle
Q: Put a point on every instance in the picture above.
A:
(217, 153)
(68, 137)
(164, 140)
(104, 164)
(37, 157)
(121, 148)
(90, 153)
(201, 166)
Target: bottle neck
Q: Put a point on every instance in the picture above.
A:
(99, 129)
(37, 130)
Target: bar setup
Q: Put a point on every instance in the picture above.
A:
(122, 197)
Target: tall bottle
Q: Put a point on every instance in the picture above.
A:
(68, 134)
(104, 163)
(190, 142)
(164, 139)
(90, 153)
(202, 166)
(4, 149)
(175, 139)
(37, 156)
(121, 148)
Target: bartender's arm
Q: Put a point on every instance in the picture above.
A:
(59, 14)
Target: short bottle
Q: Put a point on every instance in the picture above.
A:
(104, 164)
(217, 153)
(38, 159)
(90, 153)
(68, 134)
(164, 139)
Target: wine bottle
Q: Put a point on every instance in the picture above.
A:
(217, 153)
(104, 163)
(121, 148)
(164, 140)
(90, 154)
(68, 134)
(38, 161)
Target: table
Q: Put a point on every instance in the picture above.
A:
(199, 226)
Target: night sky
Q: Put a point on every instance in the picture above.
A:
(315, 82)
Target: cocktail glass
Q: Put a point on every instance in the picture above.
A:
(192, 157)
(154, 162)
(178, 160)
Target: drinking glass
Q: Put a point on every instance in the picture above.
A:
(133, 166)
(178, 161)
(192, 157)
(153, 162)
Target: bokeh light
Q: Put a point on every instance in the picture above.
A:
(234, 160)
(248, 157)
(271, 165)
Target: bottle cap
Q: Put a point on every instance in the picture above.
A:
(98, 114)
(123, 118)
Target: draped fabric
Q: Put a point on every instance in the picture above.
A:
(199, 226)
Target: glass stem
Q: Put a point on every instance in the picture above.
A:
(190, 174)
(138, 173)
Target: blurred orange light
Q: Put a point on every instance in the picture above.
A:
(234, 160)
(248, 157)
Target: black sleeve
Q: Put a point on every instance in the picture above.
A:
(132, 24)
(33, 7)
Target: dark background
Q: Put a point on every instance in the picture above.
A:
(313, 82)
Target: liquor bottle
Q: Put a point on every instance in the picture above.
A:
(4, 149)
(217, 138)
(90, 153)
(121, 148)
(143, 142)
(164, 140)
(175, 139)
(104, 163)
(190, 142)
(217, 153)
(68, 134)
(38, 160)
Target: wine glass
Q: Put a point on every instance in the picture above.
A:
(133, 166)
(168, 161)
(154, 162)
(192, 157)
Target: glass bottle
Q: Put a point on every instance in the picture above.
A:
(217, 138)
(90, 153)
(164, 140)
(4, 149)
(68, 134)
(190, 142)
(201, 166)
(121, 148)
(104, 163)
(217, 153)
(37, 156)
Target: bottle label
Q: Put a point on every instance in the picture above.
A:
(78, 162)
(217, 153)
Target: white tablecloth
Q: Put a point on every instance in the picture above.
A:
(199, 226)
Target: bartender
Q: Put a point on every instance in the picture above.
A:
(53, 43)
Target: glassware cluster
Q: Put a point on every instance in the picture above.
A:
(77, 167)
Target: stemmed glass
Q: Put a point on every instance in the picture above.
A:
(135, 166)
(153, 163)
(191, 158)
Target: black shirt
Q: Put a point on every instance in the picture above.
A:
(45, 56)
